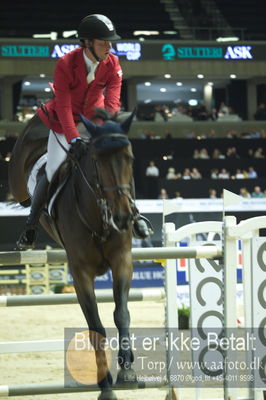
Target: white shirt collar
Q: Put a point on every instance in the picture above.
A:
(89, 64)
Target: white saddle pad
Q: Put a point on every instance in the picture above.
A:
(34, 172)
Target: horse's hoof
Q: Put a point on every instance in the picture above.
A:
(171, 395)
(107, 395)
(127, 377)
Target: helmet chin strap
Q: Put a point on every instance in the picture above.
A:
(91, 48)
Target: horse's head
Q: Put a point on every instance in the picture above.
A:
(112, 152)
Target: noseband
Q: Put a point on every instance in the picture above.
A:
(98, 190)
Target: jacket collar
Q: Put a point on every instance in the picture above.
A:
(80, 65)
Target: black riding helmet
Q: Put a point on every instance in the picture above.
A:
(97, 26)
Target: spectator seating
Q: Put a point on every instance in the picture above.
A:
(178, 153)
(59, 16)
(247, 14)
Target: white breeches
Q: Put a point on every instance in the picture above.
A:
(57, 150)
(55, 153)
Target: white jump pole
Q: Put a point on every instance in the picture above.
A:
(56, 388)
(102, 295)
(149, 253)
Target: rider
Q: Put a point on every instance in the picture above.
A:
(86, 78)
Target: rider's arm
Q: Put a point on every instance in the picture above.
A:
(63, 101)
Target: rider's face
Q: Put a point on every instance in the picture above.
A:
(102, 48)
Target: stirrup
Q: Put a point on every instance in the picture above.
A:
(142, 228)
(27, 239)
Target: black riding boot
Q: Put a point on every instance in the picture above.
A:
(142, 227)
(29, 235)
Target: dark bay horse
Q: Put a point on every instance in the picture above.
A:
(93, 216)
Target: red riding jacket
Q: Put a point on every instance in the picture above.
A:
(73, 95)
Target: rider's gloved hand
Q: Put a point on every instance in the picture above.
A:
(78, 147)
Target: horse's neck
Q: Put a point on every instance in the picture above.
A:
(85, 182)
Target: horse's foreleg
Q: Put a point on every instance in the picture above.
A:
(87, 300)
(122, 276)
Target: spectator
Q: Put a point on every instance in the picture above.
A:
(203, 154)
(223, 109)
(195, 174)
(232, 134)
(254, 134)
(257, 193)
(214, 173)
(161, 113)
(259, 153)
(245, 173)
(150, 134)
(163, 194)
(171, 174)
(250, 153)
(191, 135)
(152, 170)
(224, 174)
(177, 195)
(186, 174)
(260, 114)
(244, 192)
(212, 193)
(231, 153)
(151, 182)
(147, 134)
(252, 174)
(217, 154)
(196, 154)
(239, 174)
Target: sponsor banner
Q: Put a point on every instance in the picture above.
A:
(10, 209)
(133, 50)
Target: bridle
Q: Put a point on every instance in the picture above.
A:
(98, 190)
(119, 188)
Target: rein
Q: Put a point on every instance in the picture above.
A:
(119, 188)
(108, 223)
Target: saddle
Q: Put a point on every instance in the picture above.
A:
(28, 161)
(58, 182)
(60, 178)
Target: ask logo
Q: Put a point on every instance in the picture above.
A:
(239, 53)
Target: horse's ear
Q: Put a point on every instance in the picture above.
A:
(90, 126)
(125, 125)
